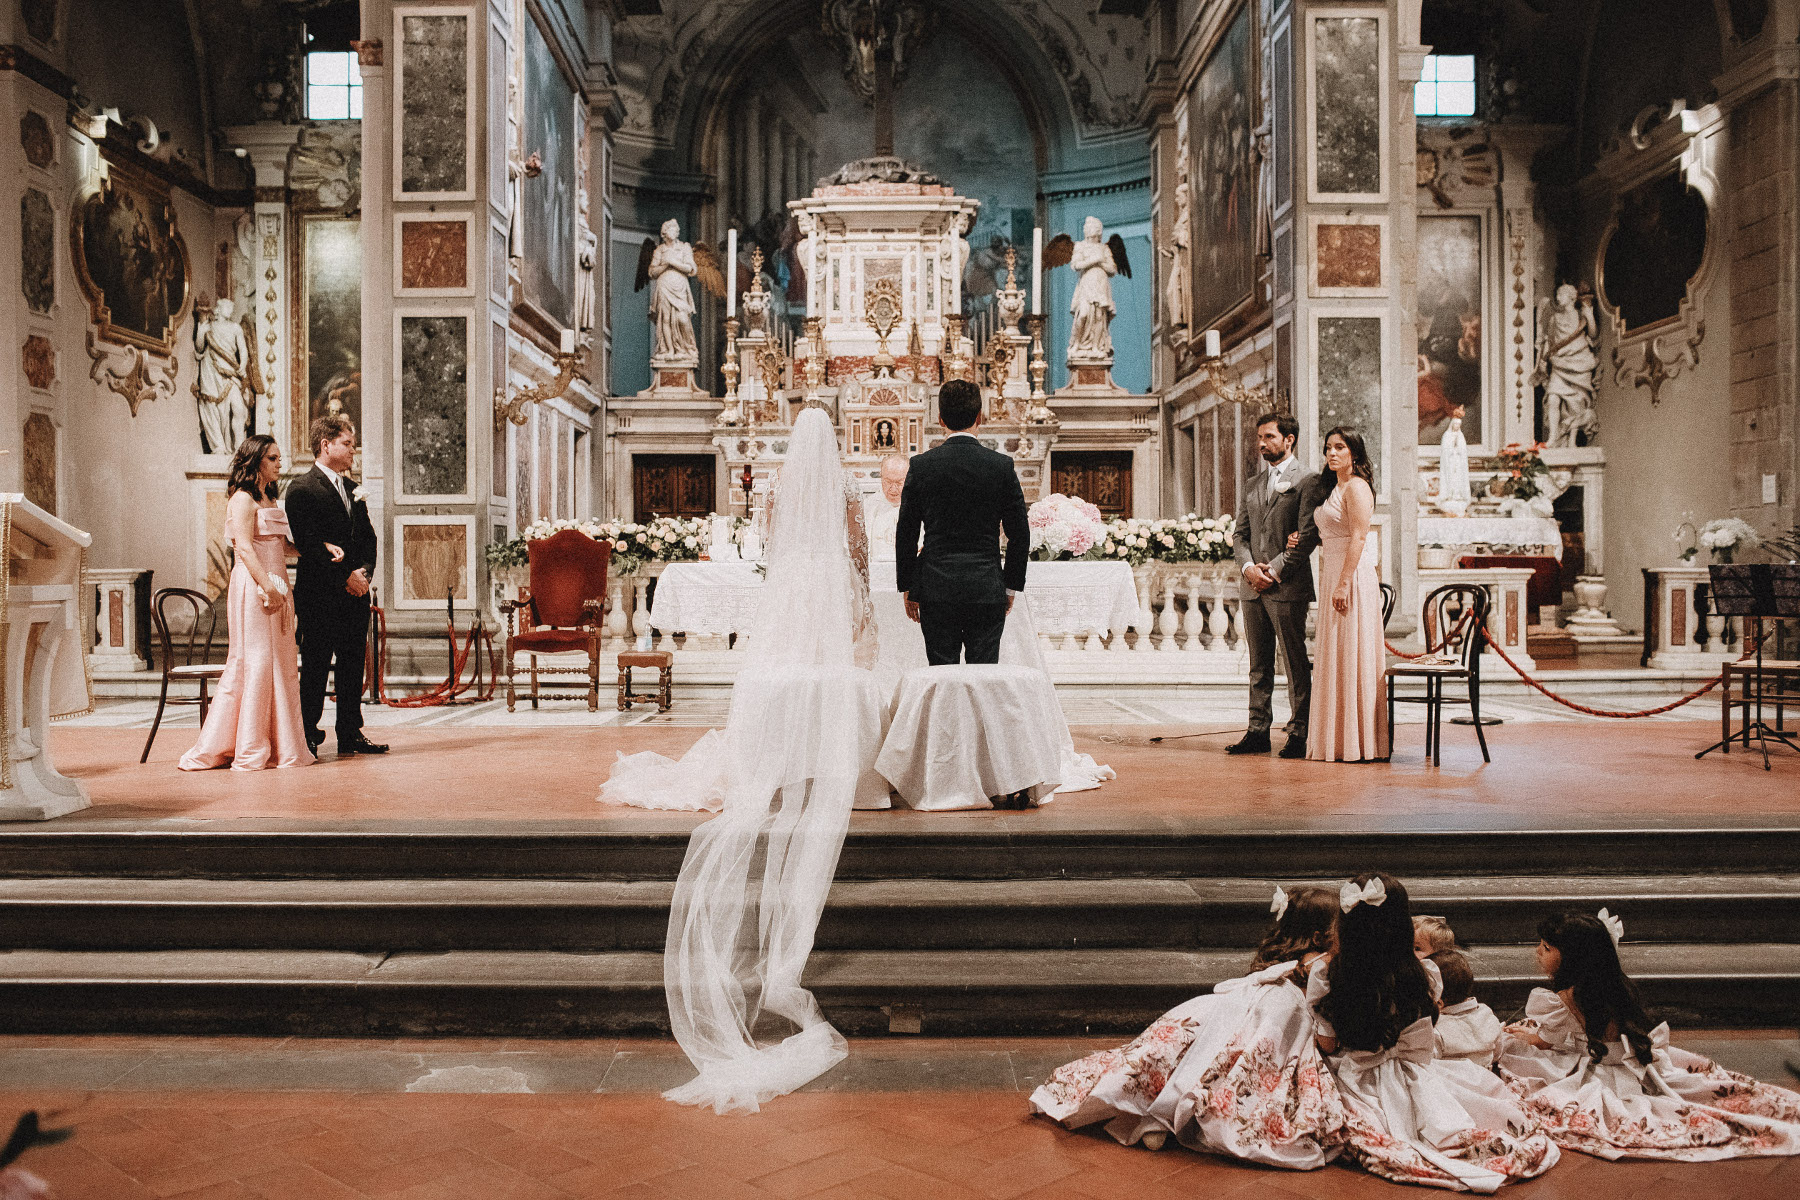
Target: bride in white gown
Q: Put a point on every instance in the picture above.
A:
(806, 721)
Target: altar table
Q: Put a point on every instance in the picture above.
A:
(1491, 531)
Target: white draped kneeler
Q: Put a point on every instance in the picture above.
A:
(46, 657)
(962, 734)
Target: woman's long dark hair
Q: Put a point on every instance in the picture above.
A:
(1591, 974)
(246, 467)
(1304, 928)
(1360, 466)
(1378, 986)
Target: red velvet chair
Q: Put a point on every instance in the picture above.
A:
(561, 612)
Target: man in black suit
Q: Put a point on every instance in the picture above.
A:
(329, 521)
(962, 494)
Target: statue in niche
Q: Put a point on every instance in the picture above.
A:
(666, 266)
(584, 280)
(223, 385)
(1568, 362)
(956, 258)
(1175, 291)
(1454, 493)
(1090, 332)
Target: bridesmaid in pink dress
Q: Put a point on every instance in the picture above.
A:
(1349, 718)
(255, 720)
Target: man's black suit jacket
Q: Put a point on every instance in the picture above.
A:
(962, 494)
(316, 515)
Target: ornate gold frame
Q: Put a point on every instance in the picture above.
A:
(150, 189)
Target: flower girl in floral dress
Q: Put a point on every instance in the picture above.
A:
(1233, 1072)
(1606, 1083)
(1413, 1118)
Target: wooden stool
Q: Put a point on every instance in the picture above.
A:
(664, 663)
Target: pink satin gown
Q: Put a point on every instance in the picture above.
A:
(1349, 713)
(254, 721)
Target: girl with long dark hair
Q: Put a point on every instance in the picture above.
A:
(1413, 1117)
(1348, 720)
(254, 722)
(1606, 1082)
(1233, 1072)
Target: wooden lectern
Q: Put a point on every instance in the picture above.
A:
(44, 671)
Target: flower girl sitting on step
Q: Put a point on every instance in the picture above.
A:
(1413, 1118)
(1607, 1083)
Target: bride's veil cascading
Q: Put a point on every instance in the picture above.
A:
(804, 726)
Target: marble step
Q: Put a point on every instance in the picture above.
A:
(1046, 845)
(922, 914)
(539, 993)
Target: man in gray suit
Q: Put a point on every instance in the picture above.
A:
(1278, 582)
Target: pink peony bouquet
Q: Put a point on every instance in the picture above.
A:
(1064, 527)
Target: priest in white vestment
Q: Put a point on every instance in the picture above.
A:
(882, 516)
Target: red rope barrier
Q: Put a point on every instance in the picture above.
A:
(1453, 635)
(1692, 696)
(452, 689)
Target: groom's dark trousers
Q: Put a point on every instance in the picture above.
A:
(333, 625)
(961, 495)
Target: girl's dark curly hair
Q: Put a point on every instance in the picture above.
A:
(1378, 986)
(1591, 974)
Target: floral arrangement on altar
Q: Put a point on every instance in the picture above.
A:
(1725, 536)
(662, 539)
(1522, 471)
(1186, 539)
(1064, 527)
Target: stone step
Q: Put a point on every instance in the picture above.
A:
(1047, 845)
(361, 915)
(502, 993)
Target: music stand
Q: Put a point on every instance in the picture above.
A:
(1758, 592)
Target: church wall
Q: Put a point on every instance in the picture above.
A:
(137, 56)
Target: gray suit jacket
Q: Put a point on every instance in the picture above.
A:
(1264, 523)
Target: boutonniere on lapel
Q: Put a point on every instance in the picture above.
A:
(1283, 486)
(359, 494)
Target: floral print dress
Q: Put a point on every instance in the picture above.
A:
(1415, 1118)
(1678, 1106)
(1233, 1072)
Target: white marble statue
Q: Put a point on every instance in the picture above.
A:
(956, 261)
(223, 384)
(1454, 494)
(585, 314)
(1175, 290)
(1092, 307)
(1568, 360)
(671, 300)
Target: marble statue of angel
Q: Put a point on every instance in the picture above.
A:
(1568, 359)
(666, 266)
(1090, 332)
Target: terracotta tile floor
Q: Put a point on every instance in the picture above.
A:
(1582, 771)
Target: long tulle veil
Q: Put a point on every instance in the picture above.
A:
(803, 729)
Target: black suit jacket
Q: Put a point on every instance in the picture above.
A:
(316, 515)
(962, 494)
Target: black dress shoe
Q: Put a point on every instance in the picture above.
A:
(1253, 743)
(1295, 747)
(313, 744)
(359, 745)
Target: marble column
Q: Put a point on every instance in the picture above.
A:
(267, 146)
(755, 161)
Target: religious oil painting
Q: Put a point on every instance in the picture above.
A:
(434, 104)
(548, 198)
(1449, 325)
(1349, 381)
(1346, 96)
(1654, 251)
(1225, 176)
(331, 279)
(131, 262)
(434, 405)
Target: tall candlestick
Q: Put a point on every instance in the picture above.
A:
(731, 273)
(1037, 271)
(812, 273)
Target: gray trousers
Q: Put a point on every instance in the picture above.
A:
(1267, 622)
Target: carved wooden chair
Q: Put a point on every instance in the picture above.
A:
(1455, 620)
(560, 614)
(184, 656)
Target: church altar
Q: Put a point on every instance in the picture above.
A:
(1491, 531)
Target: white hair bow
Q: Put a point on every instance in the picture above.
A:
(1614, 926)
(1279, 904)
(1372, 893)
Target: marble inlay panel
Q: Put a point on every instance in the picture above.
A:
(1282, 94)
(546, 459)
(38, 359)
(1347, 105)
(37, 250)
(1349, 256)
(434, 105)
(34, 137)
(1284, 261)
(39, 463)
(434, 254)
(1350, 379)
(437, 561)
(523, 440)
(434, 405)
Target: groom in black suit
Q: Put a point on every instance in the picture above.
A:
(962, 494)
(331, 529)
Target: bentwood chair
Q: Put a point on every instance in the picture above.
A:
(1387, 605)
(560, 614)
(184, 656)
(1455, 623)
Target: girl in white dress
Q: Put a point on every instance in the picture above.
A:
(1233, 1072)
(1606, 1083)
(1412, 1117)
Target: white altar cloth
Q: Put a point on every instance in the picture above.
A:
(962, 734)
(1492, 531)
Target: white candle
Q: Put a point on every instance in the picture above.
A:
(1037, 271)
(1212, 343)
(731, 273)
(812, 272)
(568, 341)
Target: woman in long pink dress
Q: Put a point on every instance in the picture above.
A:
(1349, 718)
(255, 720)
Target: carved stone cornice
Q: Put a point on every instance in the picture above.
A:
(1756, 73)
(368, 53)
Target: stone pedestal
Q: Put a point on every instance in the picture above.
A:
(1674, 627)
(672, 379)
(1091, 379)
(1591, 623)
(1508, 614)
(121, 621)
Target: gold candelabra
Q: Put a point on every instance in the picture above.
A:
(815, 359)
(1231, 388)
(1039, 413)
(730, 414)
(513, 409)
